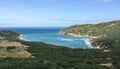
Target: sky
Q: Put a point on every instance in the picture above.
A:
(57, 13)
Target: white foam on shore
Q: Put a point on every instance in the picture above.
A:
(26, 39)
(21, 37)
(87, 41)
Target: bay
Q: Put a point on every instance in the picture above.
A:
(50, 35)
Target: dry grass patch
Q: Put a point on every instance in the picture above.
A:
(13, 49)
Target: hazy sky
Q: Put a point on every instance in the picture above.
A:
(60, 13)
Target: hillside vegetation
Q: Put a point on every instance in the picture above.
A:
(9, 35)
(9, 48)
(47, 56)
(96, 30)
(109, 37)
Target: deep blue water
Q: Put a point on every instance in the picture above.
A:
(50, 35)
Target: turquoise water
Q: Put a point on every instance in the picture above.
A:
(50, 35)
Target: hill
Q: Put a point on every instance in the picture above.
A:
(108, 33)
(10, 48)
(94, 30)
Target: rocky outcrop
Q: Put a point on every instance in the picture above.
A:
(95, 44)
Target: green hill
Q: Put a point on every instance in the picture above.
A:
(95, 30)
(9, 35)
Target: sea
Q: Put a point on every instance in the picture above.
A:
(50, 35)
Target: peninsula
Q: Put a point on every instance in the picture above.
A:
(93, 30)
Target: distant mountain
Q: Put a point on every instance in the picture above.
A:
(94, 30)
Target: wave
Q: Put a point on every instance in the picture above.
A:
(63, 39)
(87, 41)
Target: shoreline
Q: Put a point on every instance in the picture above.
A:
(89, 42)
(76, 35)
(21, 37)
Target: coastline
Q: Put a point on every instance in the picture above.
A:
(87, 41)
(21, 37)
(94, 43)
(76, 35)
(90, 42)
